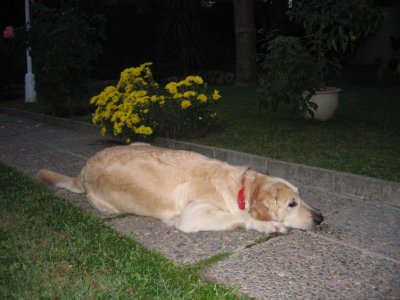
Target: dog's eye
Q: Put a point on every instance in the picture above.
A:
(292, 203)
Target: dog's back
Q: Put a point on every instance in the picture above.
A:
(147, 180)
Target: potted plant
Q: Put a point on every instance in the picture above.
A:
(296, 69)
(333, 29)
(289, 70)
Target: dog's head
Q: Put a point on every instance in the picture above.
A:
(278, 200)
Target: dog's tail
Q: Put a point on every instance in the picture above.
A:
(58, 180)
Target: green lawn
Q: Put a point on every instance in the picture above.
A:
(363, 137)
(52, 250)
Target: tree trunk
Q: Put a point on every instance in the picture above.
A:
(245, 33)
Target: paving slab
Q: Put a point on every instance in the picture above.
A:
(52, 159)
(11, 125)
(183, 247)
(20, 147)
(85, 147)
(354, 254)
(304, 266)
(326, 202)
(368, 225)
(37, 131)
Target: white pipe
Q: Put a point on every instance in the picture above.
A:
(30, 92)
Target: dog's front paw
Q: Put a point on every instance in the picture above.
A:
(277, 227)
(270, 227)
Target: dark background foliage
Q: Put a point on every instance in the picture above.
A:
(179, 36)
(65, 43)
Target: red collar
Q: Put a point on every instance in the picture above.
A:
(241, 198)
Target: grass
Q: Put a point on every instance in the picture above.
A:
(363, 138)
(52, 250)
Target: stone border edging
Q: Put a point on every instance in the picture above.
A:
(333, 181)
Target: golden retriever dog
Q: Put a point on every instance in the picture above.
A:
(187, 190)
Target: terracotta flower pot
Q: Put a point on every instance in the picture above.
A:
(327, 101)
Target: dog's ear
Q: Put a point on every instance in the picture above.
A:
(260, 212)
(264, 201)
(259, 205)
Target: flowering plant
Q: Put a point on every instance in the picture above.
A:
(8, 33)
(137, 108)
(12, 62)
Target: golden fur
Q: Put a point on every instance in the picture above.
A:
(187, 190)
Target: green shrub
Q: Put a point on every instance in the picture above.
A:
(334, 29)
(289, 70)
(65, 43)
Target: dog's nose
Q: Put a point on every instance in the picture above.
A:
(317, 218)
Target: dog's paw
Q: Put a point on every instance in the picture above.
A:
(275, 227)
(279, 228)
(270, 227)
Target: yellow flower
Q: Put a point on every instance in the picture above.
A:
(115, 116)
(142, 100)
(196, 79)
(94, 99)
(185, 82)
(172, 87)
(178, 95)
(146, 65)
(120, 108)
(134, 119)
(146, 69)
(202, 98)
(140, 81)
(189, 94)
(109, 89)
(185, 104)
(106, 114)
(128, 88)
(96, 117)
(216, 95)
(117, 128)
(143, 130)
(134, 71)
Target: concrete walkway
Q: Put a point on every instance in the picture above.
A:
(355, 254)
